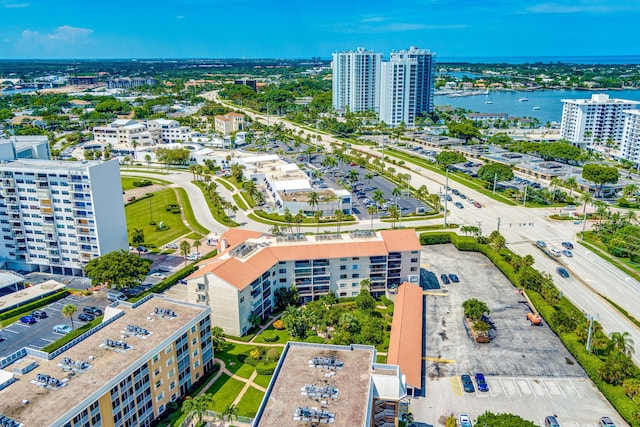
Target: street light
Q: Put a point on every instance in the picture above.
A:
(591, 318)
(446, 190)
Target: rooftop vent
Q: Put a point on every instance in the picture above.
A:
(79, 365)
(164, 312)
(117, 344)
(44, 380)
(136, 330)
(326, 363)
(9, 422)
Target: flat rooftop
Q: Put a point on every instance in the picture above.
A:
(53, 165)
(352, 382)
(48, 405)
(324, 195)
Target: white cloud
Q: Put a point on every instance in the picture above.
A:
(64, 41)
(391, 27)
(13, 5)
(180, 17)
(65, 34)
(582, 7)
(373, 19)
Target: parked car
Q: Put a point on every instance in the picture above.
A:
(39, 314)
(477, 204)
(449, 198)
(606, 422)
(562, 272)
(158, 275)
(456, 192)
(142, 249)
(464, 420)
(482, 382)
(567, 252)
(444, 279)
(2, 338)
(551, 421)
(172, 246)
(462, 196)
(567, 245)
(459, 205)
(94, 311)
(541, 244)
(454, 278)
(467, 384)
(85, 317)
(29, 320)
(62, 329)
(555, 252)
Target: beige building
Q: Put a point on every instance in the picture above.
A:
(318, 384)
(229, 123)
(240, 282)
(142, 357)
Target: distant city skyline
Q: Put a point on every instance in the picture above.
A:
(41, 29)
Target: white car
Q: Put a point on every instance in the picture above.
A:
(555, 252)
(194, 256)
(464, 420)
(172, 246)
(159, 276)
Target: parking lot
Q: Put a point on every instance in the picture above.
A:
(529, 371)
(40, 334)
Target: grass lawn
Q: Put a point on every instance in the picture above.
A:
(239, 202)
(248, 406)
(138, 216)
(188, 212)
(227, 392)
(127, 182)
(226, 184)
(230, 355)
(245, 371)
(262, 380)
(283, 336)
(219, 214)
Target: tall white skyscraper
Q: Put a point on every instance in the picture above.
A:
(406, 86)
(593, 121)
(630, 145)
(356, 80)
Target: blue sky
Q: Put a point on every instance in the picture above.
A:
(301, 29)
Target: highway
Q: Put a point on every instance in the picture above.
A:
(521, 227)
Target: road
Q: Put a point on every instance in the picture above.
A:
(521, 226)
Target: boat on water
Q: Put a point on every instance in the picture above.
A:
(536, 108)
(488, 102)
(523, 99)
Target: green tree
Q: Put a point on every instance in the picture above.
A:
(617, 368)
(339, 215)
(372, 210)
(117, 269)
(198, 405)
(448, 158)
(295, 321)
(489, 419)
(364, 301)
(463, 130)
(474, 309)
(230, 412)
(217, 338)
(622, 342)
(313, 201)
(68, 311)
(317, 215)
(185, 247)
(497, 171)
(137, 238)
(600, 175)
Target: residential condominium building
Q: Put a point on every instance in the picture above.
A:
(56, 216)
(590, 123)
(316, 384)
(229, 123)
(630, 146)
(356, 80)
(125, 373)
(133, 133)
(24, 147)
(407, 86)
(130, 82)
(241, 280)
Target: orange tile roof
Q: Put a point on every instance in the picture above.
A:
(241, 272)
(401, 240)
(405, 345)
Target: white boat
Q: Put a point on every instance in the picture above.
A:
(489, 102)
(536, 108)
(523, 99)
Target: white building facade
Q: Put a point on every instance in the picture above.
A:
(630, 145)
(129, 133)
(407, 86)
(356, 80)
(241, 281)
(56, 216)
(591, 122)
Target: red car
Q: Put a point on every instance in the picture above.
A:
(353, 164)
(477, 204)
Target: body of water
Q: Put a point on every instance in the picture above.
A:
(548, 103)
(613, 59)
(14, 91)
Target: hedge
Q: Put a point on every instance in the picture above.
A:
(270, 337)
(72, 335)
(142, 183)
(165, 284)
(264, 368)
(33, 305)
(315, 339)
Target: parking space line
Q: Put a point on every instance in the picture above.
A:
(560, 388)
(11, 330)
(456, 386)
(44, 339)
(21, 324)
(575, 389)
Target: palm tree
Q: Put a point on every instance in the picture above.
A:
(313, 201)
(554, 184)
(630, 190)
(339, 217)
(138, 238)
(407, 418)
(621, 341)
(571, 183)
(353, 175)
(585, 198)
(184, 249)
(231, 412)
(396, 192)
(394, 213)
(298, 219)
(372, 210)
(317, 215)
(147, 158)
(196, 244)
(377, 196)
(368, 176)
(198, 405)
(68, 311)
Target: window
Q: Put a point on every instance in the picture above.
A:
(343, 285)
(355, 258)
(170, 361)
(155, 358)
(343, 267)
(242, 299)
(414, 259)
(343, 276)
(355, 276)
(158, 383)
(414, 268)
(355, 267)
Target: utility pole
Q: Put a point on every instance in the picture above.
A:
(584, 218)
(591, 318)
(446, 191)
(383, 141)
(525, 196)
(499, 219)
(495, 179)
